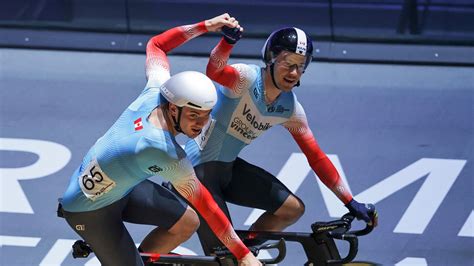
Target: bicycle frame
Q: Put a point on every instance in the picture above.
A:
(319, 246)
(224, 258)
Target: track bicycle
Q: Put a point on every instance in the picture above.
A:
(319, 246)
(81, 249)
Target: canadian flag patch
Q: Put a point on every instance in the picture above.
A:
(138, 124)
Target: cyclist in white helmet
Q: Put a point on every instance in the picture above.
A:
(252, 99)
(110, 187)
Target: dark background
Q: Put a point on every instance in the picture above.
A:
(343, 30)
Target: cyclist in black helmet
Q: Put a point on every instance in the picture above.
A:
(252, 99)
(291, 40)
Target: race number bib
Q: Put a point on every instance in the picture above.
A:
(94, 182)
(202, 139)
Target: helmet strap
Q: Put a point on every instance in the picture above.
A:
(272, 73)
(298, 83)
(176, 122)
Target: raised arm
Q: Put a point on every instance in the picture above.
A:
(318, 160)
(218, 69)
(233, 77)
(157, 64)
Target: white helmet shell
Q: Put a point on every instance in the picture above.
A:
(190, 88)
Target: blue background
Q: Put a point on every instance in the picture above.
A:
(377, 118)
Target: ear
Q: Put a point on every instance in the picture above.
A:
(173, 109)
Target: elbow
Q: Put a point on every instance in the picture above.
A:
(211, 72)
(152, 41)
(154, 44)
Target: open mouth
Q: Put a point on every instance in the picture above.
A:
(196, 130)
(289, 82)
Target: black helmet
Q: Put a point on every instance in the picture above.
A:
(288, 39)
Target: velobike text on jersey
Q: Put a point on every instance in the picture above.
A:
(251, 118)
(247, 123)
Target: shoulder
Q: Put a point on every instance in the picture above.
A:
(155, 80)
(247, 76)
(297, 123)
(148, 99)
(248, 73)
(290, 102)
(248, 69)
(298, 108)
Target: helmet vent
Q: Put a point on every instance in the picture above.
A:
(194, 105)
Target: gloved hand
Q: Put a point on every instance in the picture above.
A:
(231, 35)
(362, 211)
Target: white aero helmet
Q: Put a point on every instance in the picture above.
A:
(190, 88)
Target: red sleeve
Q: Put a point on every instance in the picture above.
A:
(321, 164)
(200, 198)
(159, 45)
(217, 68)
(174, 37)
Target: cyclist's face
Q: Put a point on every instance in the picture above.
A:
(288, 69)
(193, 120)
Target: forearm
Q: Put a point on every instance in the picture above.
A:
(176, 36)
(157, 65)
(200, 198)
(322, 166)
